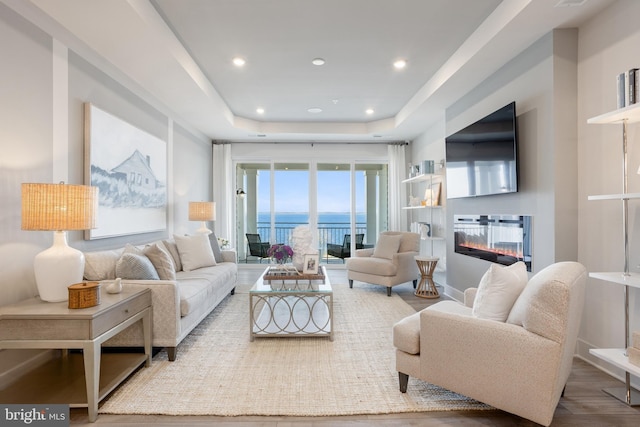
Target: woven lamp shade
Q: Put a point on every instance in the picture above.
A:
(202, 211)
(59, 207)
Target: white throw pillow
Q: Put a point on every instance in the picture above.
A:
(387, 246)
(498, 290)
(195, 251)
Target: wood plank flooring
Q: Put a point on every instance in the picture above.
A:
(584, 403)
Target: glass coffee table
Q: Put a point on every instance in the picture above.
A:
(293, 305)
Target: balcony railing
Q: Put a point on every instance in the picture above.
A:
(327, 233)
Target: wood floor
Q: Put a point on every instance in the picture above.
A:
(584, 403)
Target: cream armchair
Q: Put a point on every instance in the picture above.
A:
(391, 262)
(520, 366)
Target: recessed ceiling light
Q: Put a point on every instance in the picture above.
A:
(238, 61)
(260, 110)
(318, 61)
(369, 111)
(400, 64)
(315, 110)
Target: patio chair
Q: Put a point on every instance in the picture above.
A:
(257, 248)
(344, 251)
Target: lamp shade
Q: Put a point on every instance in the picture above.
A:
(202, 211)
(57, 207)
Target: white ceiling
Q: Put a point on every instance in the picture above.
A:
(179, 52)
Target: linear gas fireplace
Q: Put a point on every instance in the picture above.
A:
(504, 239)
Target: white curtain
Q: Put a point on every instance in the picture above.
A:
(397, 192)
(223, 192)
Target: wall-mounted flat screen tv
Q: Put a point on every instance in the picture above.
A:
(482, 158)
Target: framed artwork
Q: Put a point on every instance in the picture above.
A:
(129, 167)
(310, 265)
(432, 194)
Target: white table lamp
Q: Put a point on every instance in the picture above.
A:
(58, 208)
(202, 211)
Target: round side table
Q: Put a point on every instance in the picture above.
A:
(426, 288)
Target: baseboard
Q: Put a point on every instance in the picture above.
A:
(16, 363)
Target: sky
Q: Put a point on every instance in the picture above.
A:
(292, 191)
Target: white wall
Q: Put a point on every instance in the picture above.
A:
(547, 152)
(43, 86)
(608, 45)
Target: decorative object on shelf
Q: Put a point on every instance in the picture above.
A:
(223, 243)
(425, 230)
(115, 287)
(84, 295)
(432, 195)
(58, 208)
(310, 264)
(202, 211)
(280, 253)
(302, 243)
(428, 166)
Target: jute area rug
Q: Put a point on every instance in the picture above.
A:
(218, 371)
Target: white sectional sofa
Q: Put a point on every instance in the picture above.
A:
(188, 285)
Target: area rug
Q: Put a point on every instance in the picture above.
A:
(218, 371)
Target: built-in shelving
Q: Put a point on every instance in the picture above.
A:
(617, 356)
(631, 114)
(423, 177)
(620, 196)
(620, 278)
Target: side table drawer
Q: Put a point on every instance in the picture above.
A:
(122, 312)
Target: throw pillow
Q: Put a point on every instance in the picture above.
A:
(498, 290)
(215, 247)
(162, 262)
(387, 246)
(101, 265)
(172, 248)
(195, 251)
(132, 266)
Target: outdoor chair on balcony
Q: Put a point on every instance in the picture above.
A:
(344, 251)
(257, 248)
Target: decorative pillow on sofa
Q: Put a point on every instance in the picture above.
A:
(172, 249)
(498, 290)
(387, 246)
(101, 265)
(195, 251)
(133, 266)
(161, 261)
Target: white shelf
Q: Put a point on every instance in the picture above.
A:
(622, 196)
(423, 177)
(630, 113)
(422, 207)
(617, 357)
(433, 239)
(631, 279)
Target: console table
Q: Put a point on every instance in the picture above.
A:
(34, 324)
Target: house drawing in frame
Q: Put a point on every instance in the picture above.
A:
(129, 166)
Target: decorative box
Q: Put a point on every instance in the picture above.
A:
(636, 339)
(84, 295)
(634, 356)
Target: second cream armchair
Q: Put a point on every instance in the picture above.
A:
(391, 262)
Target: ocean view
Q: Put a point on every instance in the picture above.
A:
(324, 218)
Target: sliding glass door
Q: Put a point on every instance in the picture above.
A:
(339, 200)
